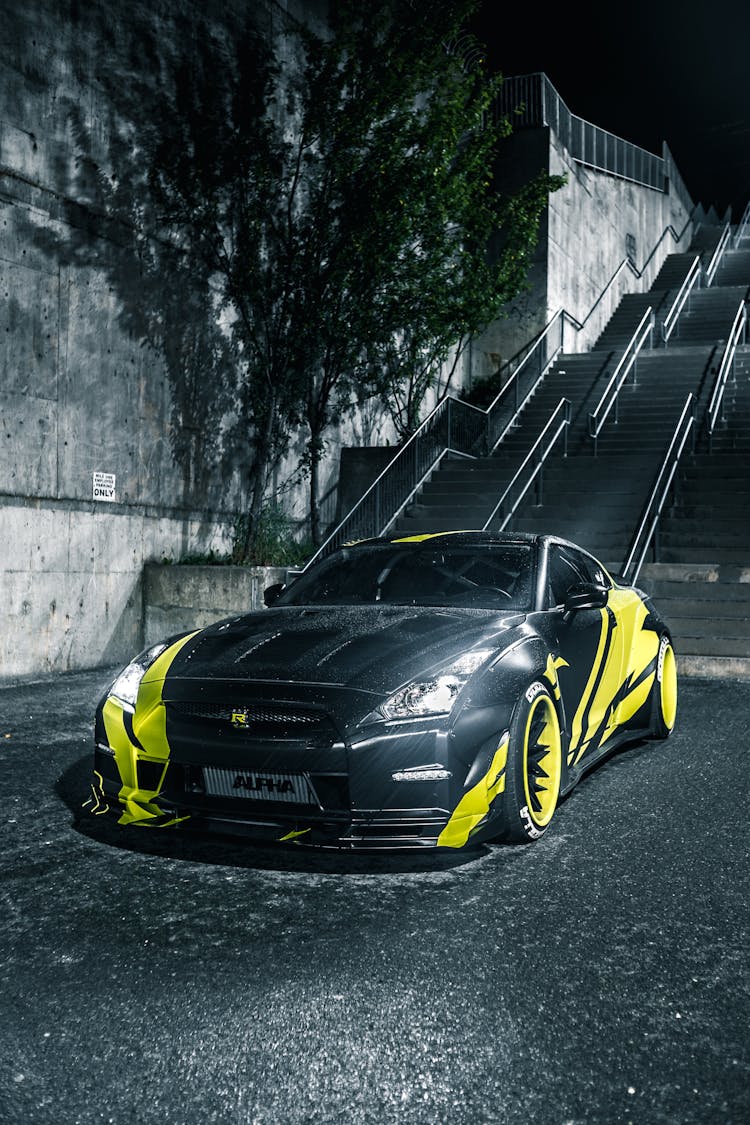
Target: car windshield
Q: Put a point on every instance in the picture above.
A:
(477, 575)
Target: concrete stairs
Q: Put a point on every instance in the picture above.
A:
(734, 268)
(596, 500)
(707, 607)
(462, 492)
(702, 579)
(708, 315)
(709, 519)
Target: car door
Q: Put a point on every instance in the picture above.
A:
(591, 652)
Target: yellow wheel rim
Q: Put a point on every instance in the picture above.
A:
(542, 760)
(668, 687)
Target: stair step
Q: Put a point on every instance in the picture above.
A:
(705, 538)
(720, 525)
(712, 646)
(713, 667)
(728, 506)
(731, 556)
(699, 576)
(721, 629)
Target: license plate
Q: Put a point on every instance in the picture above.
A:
(258, 785)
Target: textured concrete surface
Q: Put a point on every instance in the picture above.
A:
(176, 598)
(596, 977)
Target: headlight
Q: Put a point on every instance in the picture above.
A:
(437, 694)
(125, 687)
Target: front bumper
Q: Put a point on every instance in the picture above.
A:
(396, 787)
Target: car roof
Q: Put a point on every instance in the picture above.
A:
(468, 536)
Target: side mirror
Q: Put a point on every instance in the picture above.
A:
(589, 595)
(271, 593)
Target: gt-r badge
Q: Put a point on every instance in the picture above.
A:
(240, 718)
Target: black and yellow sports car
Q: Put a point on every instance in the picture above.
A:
(435, 691)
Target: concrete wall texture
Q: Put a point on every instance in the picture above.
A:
(87, 376)
(594, 224)
(179, 598)
(85, 382)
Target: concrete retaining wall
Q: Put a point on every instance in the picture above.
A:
(591, 226)
(176, 598)
(94, 351)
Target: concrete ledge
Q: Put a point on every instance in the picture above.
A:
(694, 572)
(178, 597)
(714, 667)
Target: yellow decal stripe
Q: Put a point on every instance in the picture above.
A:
(421, 538)
(577, 741)
(150, 719)
(475, 804)
(550, 672)
(293, 835)
(117, 737)
(149, 728)
(622, 691)
(631, 613)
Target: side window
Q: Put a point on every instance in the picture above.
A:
(568, 567)
(588, 568)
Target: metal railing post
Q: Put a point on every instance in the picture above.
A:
(645, 537)
(540, 479)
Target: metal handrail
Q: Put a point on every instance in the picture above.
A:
(670, 320)
(715, 408)
(598, 415)
(649, 521)
(415, 470)
(514, 382)
(480, 440)
(740, 234)
(718, 254)
(536, 456)
(348, 525)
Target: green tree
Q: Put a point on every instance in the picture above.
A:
(400, 210)
(332, 195)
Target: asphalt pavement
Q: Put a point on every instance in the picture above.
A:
(599, 975)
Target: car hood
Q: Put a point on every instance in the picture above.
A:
(368, 648)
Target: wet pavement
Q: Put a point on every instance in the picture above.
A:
(599, 975)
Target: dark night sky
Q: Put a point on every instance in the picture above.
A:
(648, 72)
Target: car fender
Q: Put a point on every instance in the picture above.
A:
(503, 686)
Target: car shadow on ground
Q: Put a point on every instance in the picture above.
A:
(73, 788)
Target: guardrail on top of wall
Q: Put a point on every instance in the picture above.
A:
(532, 100)
(742, 226)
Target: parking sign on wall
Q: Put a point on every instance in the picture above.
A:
(104, 486)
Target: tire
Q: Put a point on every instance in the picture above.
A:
(664, 705)
(534, 770)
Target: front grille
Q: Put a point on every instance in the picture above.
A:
(223, 713)
(263, 720)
